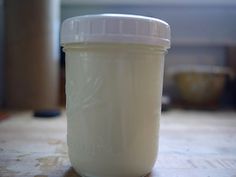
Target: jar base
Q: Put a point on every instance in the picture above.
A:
(91, 175)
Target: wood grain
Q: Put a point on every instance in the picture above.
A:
(192, 144)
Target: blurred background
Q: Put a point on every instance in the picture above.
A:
(199, 67)
(200, 70)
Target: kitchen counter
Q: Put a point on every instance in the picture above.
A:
(192, 144)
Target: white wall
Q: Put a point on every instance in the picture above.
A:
(200, 32)
(152, 2)
(191, 25)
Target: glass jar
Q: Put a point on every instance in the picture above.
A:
(114, 76)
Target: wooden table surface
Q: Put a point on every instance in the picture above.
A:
(192, 144)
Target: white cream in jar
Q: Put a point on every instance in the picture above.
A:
(114, 73)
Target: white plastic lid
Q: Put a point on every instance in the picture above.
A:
(116, 28)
